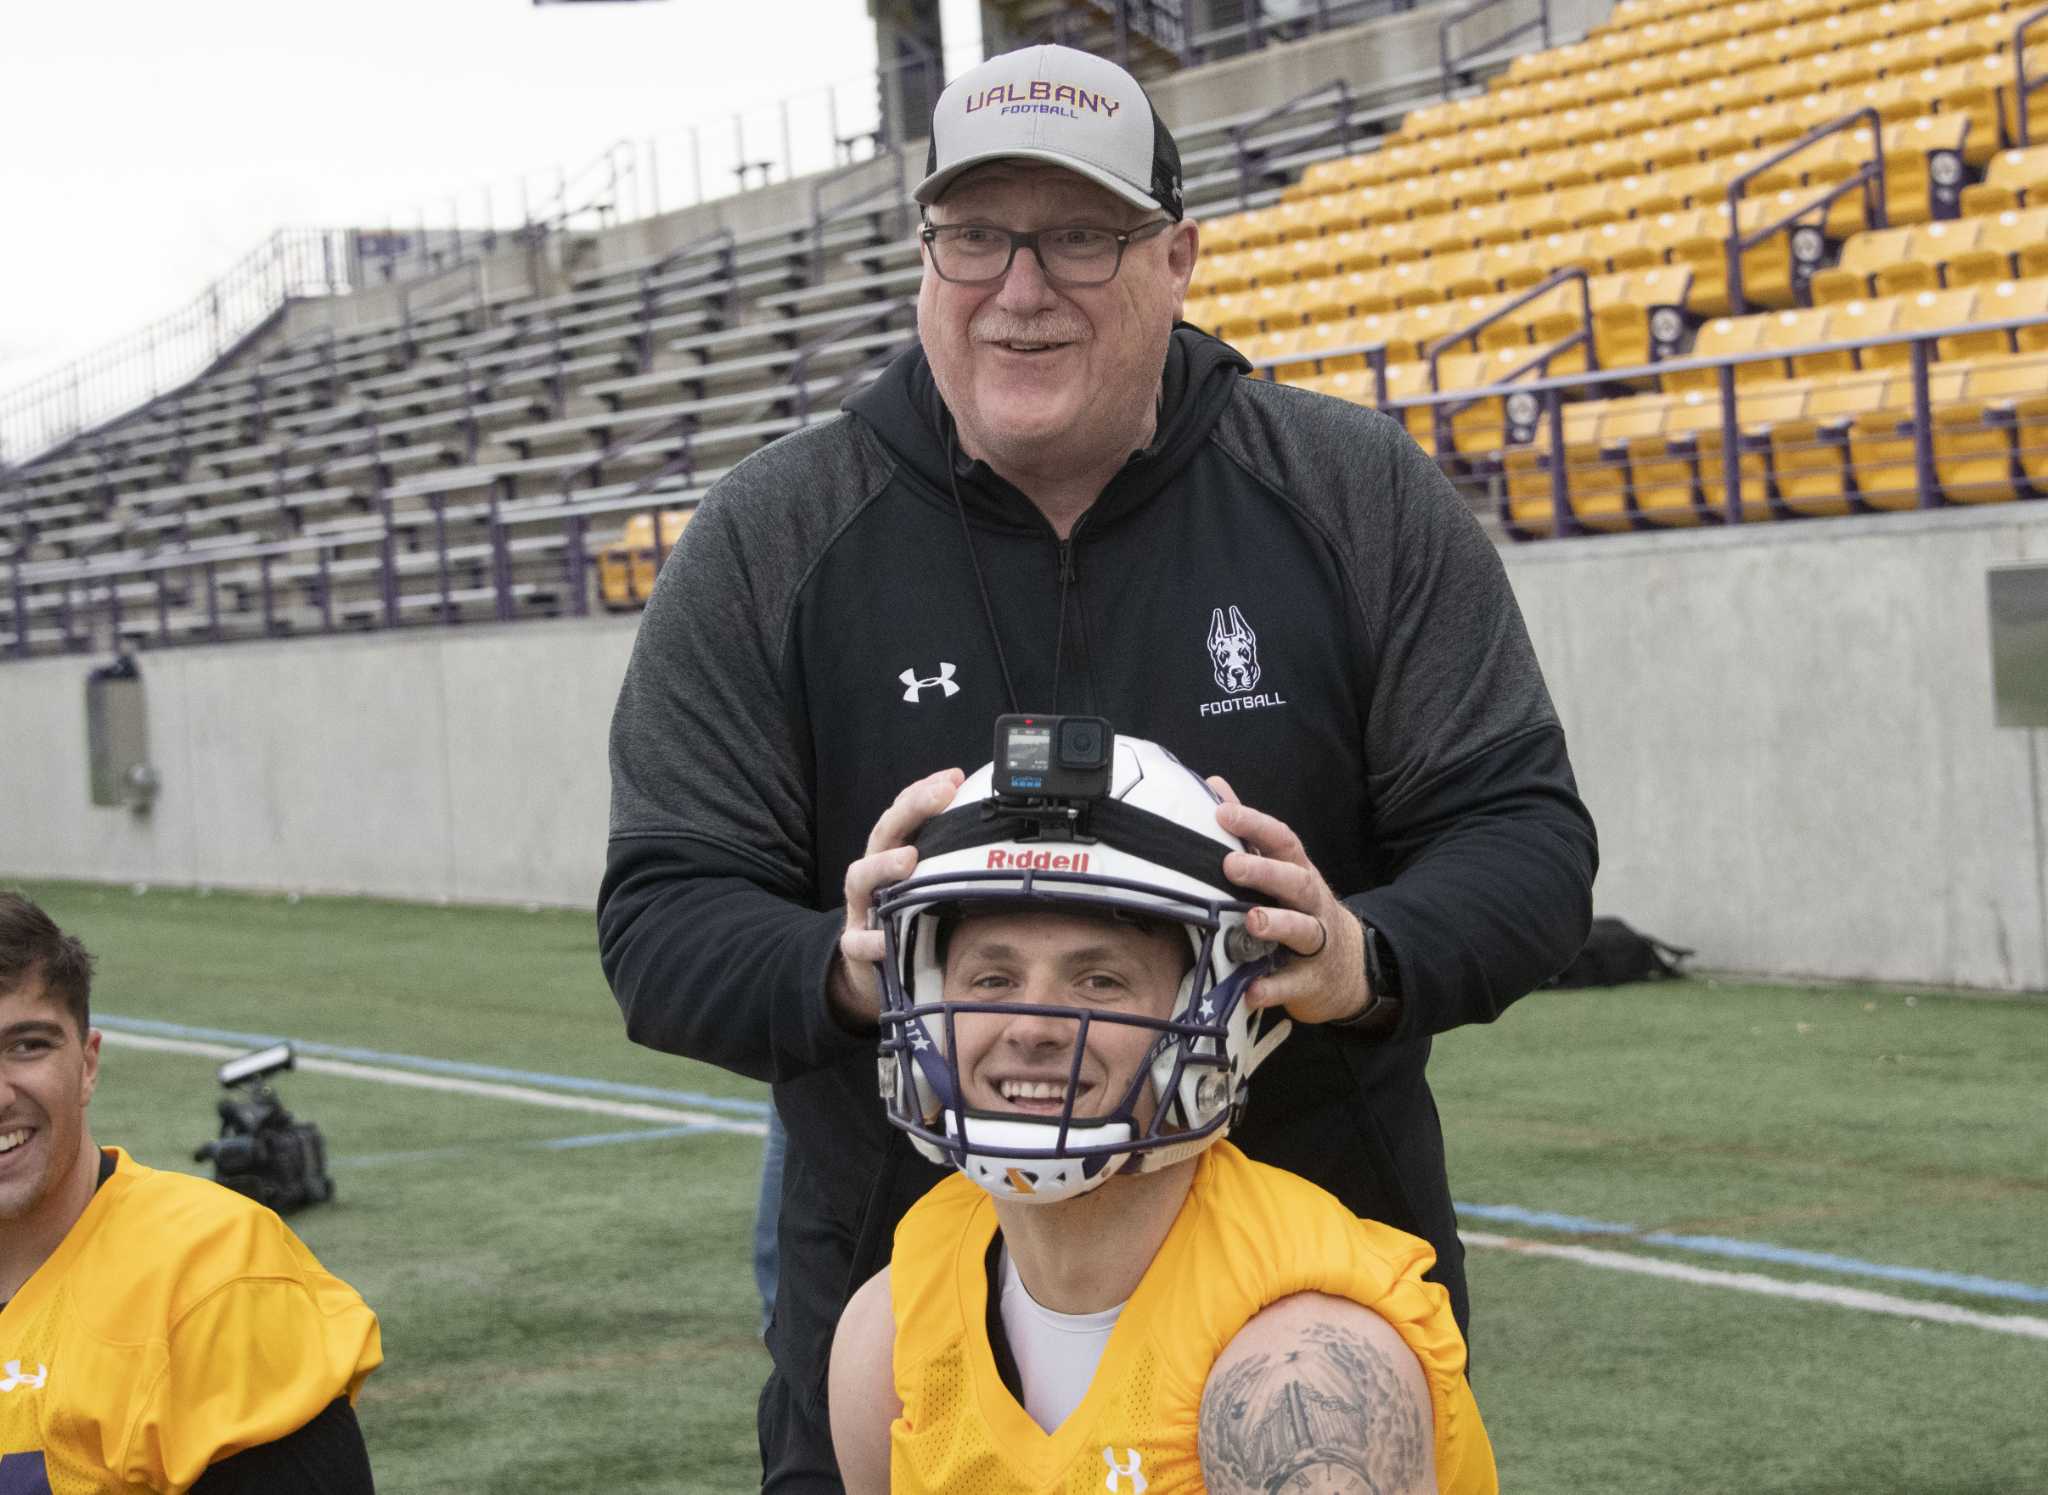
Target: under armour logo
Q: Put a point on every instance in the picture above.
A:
(18, 1378)
(1123, 1471)
(943, 680)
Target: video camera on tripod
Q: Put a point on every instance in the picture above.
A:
(261, 1151)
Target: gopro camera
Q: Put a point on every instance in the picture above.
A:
(1053, 757)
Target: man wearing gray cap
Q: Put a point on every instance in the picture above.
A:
(1064, 501)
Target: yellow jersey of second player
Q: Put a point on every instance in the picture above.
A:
(1247, 1236)
(177, 1324)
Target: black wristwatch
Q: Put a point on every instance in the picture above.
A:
(1382, 1008)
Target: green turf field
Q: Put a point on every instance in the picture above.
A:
(582, 1319)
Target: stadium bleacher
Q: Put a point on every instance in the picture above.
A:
(1581, 288)
(1616, 174)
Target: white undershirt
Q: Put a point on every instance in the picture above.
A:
(1056, 1353)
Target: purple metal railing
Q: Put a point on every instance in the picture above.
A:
(830, 203)
(1919, 423)
(1806, 243)
(1540, 360)
(2023, 84)
(1338, 131)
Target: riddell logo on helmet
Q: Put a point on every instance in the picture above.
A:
(1039, 861)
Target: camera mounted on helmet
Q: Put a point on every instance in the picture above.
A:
(1070, 819)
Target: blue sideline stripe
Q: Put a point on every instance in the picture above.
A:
(607, 1139)
(1791, 1256)
(1824, 1261)
(551, 1144)
(755, 1109)
(1544, 1219)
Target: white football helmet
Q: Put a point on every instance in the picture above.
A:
(1151, 849)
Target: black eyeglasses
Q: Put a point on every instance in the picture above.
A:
(978, 254)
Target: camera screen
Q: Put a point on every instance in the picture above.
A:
(1028, 750)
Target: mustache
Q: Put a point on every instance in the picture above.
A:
(1001, 327)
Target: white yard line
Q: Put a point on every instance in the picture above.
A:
(631, 1110)
(1775, 1287)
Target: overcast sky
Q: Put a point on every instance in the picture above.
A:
(149, 144)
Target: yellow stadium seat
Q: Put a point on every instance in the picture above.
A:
(1925, 311)
(1325, 298)
(1347, 384)
(1802, 326)
(2006, 301)
(1584, 206)
(1526, 469)
(1508, 266)
(1546, 212)
(1727, 337)
(1913, 173)
(1464, 273)
(1391, 243)
(1568, 251)
(1305, 259)
(1975, 452)
(2023, 170)
(1621, 246)
(1980, 89)
(1863, 255)
(1294, 220)
(1623, 335)
(1810, 454)
(1881, 442)
(1663, 475)
(1232, 315)
(626, 568)
(1413, 283)
(1850, 321)
(1375, 328)
(1352, 249)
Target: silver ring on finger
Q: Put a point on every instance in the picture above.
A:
(1322, 944)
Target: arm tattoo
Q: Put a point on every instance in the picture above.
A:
(1329, 1415)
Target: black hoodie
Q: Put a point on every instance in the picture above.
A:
(822, 637)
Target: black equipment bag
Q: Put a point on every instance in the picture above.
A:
(1616, 954)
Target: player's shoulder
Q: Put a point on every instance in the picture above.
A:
(169, 1240)
(1312, 1349)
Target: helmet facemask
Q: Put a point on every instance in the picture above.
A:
(1183, 1095)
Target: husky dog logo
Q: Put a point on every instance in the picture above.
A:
(912, 685)
(1124, 1471)
(1233, 651)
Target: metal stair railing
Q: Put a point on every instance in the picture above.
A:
(2023, 84)
(1250, 158)
(127, 375)
(1552, 388)
(1806, 242)
(799, 369)
(1519, 409)
(892, 191)
(1454, 69)
(724, 244)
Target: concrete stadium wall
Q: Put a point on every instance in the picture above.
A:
(1785, 736)
(1787, 741)
(465, 765)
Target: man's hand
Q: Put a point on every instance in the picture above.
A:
(1324, 979)
(856, 990)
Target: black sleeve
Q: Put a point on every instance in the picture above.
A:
(690, 944)
(325, 1457)
(1483, 853)
(1479, 854)
(709, 922)
(1490, 890)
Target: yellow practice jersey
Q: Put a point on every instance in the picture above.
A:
(1248, 1236)
(178, 1324)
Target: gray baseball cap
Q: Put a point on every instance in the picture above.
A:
(1062, 106)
